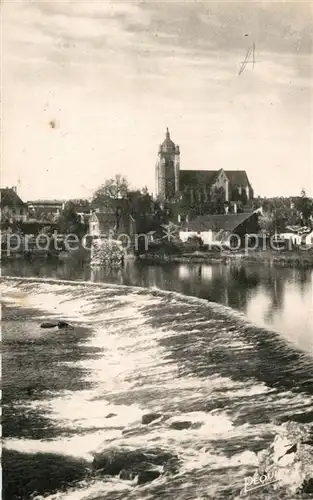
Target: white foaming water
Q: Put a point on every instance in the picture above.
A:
(131, 375)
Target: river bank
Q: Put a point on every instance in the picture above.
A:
(295, 259)
(299, 259)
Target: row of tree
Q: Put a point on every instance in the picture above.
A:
(280, 212)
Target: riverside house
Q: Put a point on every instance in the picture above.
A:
(102, 223)
(45, 209)
(219, 228)
(13, 209)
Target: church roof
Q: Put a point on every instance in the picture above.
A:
(167, 145)
(196, 177)
(237, 177)
(207, 177)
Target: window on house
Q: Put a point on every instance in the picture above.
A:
(94, 227)
(21, 211)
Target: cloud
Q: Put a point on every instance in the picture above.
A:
(110, 69)
(150, 36)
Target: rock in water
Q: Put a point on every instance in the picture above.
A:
(47, 324)
(63, 324)
(179, 425)
(149, 417)
(147, 476)
(290, 458)
(147, 464)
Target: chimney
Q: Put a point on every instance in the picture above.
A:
(14, 189)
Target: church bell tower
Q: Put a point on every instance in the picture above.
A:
(167, 169)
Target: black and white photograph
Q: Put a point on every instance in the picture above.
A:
(157, 249)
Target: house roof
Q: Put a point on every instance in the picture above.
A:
(196, 177)
(9, 198)
(81, 205)
(103, 218)
(46, 202)
(227, 222)
(299, 229)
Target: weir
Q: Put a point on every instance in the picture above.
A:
(133, 351)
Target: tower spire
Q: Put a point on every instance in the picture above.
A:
(167, 133)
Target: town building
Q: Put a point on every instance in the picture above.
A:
(13, 208)
(104, 224)
(167, 169)
(220, 228)
(197, 185)
(81, 206)
(39, 208)
(101, 223)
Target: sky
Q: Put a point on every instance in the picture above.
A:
(89, 87)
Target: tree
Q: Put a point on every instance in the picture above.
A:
(305, 206)
(111, 191)
(283, 211)
(140, 205)
(111, 197)
(70, 221)
(266, 223)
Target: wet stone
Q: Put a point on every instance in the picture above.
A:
(64, 324)
(185, 424)
(307, 486)
(148, 476)
(172, 466)
(48, 324)
(150, 417)
(127, 475)
(128, 463)
(292, 441)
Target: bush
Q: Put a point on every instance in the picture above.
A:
(193, 244)
(167, 247)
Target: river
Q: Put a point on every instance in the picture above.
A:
(226, 349)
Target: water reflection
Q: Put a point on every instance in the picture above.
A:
(277, 297)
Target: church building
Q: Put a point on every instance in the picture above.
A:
(196, 185)
(167, 169)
